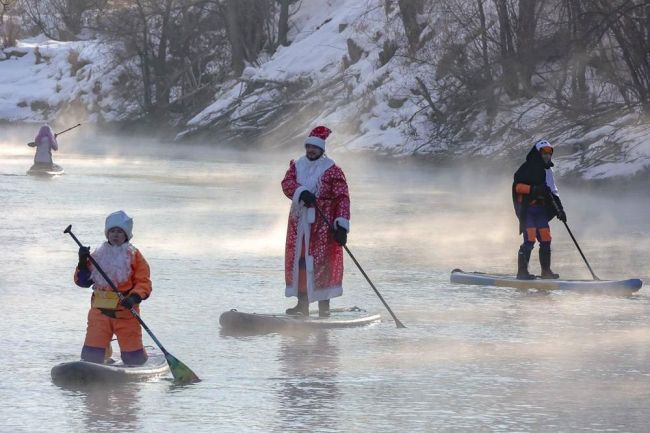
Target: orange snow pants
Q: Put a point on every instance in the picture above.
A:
(100, 331)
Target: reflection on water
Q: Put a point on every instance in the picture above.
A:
(308, 395)
(116, 408)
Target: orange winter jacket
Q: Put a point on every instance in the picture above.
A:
(139, 281)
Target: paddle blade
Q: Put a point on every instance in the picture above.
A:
(181, 372)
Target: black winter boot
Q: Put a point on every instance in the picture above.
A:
(301, 308)
(324, 308)
(522, 264)
(545, 263)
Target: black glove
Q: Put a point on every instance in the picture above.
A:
(131, 300)
(559, 209)
(539, 191)
(84, 254)
(341, 236)
(308, 198)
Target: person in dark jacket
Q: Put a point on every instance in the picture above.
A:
(537, 201)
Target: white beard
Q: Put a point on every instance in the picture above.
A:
(115, 262)
(309, 173)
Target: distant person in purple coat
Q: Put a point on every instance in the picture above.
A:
(45, 143)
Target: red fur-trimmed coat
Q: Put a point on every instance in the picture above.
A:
(324, 258)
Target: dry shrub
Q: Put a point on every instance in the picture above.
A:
(76, 63)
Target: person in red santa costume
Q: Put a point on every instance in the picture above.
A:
(313, 253)
(127, 268)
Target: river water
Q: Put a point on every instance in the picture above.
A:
(211, 223)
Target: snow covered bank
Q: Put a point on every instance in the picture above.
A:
(347, 67)
(344, 69)
(53, 79)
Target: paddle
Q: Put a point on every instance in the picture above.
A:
(557, 211)
(381, 298)
(181, 372)
(32, 144)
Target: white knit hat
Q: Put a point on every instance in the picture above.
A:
(121, 220)
(543, 143)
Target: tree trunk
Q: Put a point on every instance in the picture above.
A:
(143, 53)
(576, 30)
(71, 15)
(4, 7)
(388, 7)
(234, 34)
(162, 88)
(283, 23)
(409, 10)
(506, 47)
(527, 23)
(487, 70)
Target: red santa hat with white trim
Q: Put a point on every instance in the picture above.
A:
(317, 136)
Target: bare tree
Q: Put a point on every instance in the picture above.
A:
(5, 37)
(526, 43)
(246, 21)
(627, 23)
(517, 38)
(485, 57)
(576, 26)
(169, 50)
(5, 6)
(60, 19)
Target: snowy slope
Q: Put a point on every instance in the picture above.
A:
(311, 71)
(311, 60)
(370, 105)
(74, 79)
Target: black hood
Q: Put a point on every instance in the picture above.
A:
(535, 157)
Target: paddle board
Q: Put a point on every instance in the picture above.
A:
(83, 372)
(498, 280)
(45, 170)
(240, 322)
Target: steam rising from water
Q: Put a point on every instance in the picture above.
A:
(212, 223)
(441, 217)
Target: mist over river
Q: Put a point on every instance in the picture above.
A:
(212, 224)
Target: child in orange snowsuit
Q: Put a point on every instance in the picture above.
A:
(108, 316)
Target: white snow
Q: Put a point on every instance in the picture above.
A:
(31, 92)
(369, 106)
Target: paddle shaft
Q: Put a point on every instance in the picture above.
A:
(64, 131)
(557, 210)
(56, 134)
(580, 251)
(398, 323)
(119, 295)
